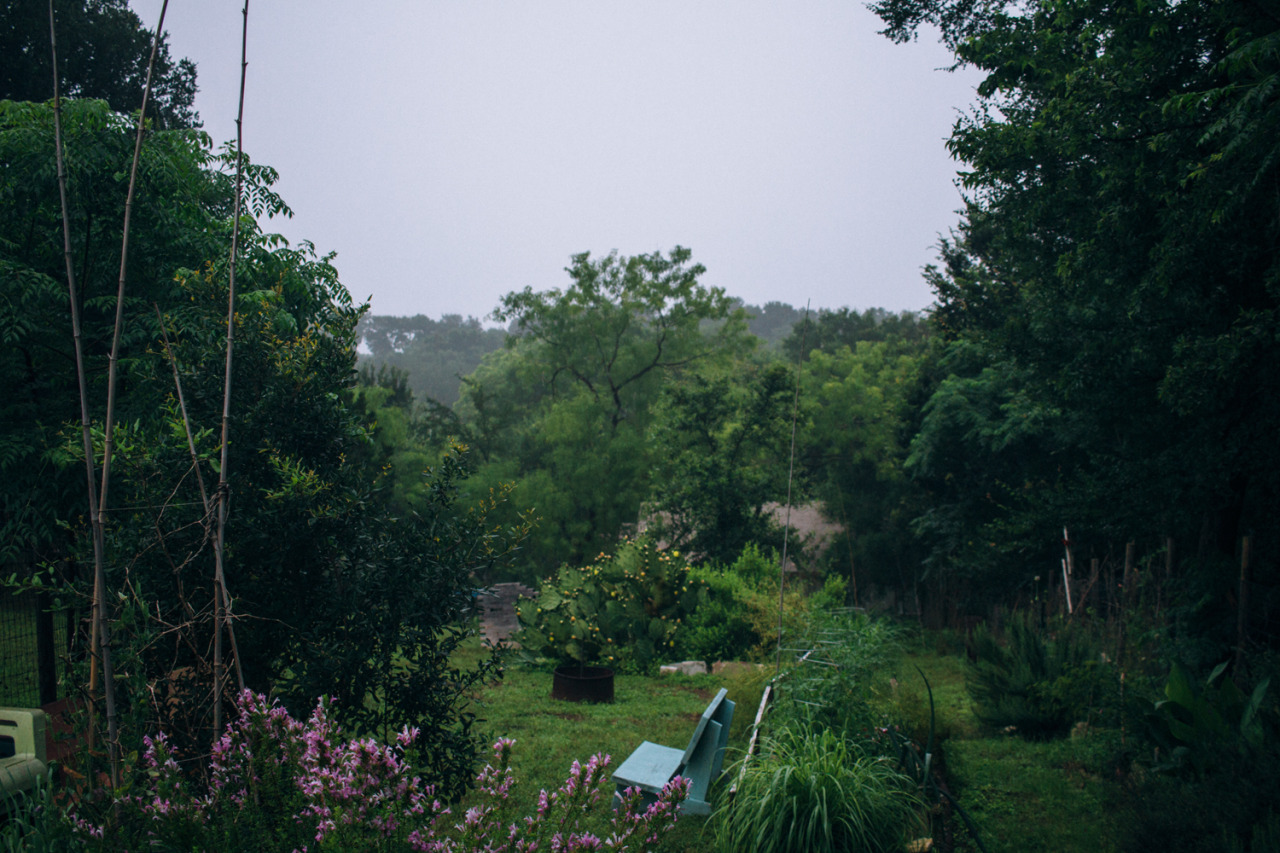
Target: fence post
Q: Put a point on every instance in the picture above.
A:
(46, 657)
(1242, 614)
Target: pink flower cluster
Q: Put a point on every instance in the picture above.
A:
(359, 794)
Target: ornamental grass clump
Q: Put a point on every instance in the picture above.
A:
(813, 791)
(621, 611)
(276, 783)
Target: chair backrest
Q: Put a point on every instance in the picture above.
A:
(22, 732)
(705, 755)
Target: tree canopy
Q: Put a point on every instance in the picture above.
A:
(1110, 295)
(103, 50)
(564, 410)
(338, 581)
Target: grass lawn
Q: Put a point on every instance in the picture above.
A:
(1023, 795)
(551, 734)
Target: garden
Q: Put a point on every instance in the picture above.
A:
(879, 736)
(245, 563)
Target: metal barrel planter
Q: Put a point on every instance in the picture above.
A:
(582, 684)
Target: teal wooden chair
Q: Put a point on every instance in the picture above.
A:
(652, 765)
(22, 751)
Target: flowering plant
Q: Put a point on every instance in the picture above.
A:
(621, 609)
(276, 783)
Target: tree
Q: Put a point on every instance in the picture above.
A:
(434, 354)
(854, 451)
(180, 220)
(831, 330)
(1117, 260)
(772, 323)
(338, 589)
(623, 324)
(721, 444)
(564, 410)
(103, 49)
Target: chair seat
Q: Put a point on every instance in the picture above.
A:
(649, 768)
(652, 765)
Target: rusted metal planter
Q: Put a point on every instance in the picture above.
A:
(582, 684)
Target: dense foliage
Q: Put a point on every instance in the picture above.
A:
(1109, 299)
(563, 411)
(433, 354)
(103, 49)
(337, 588)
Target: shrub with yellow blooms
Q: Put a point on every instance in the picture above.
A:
(621, 611)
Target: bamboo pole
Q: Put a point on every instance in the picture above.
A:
(74, 299)
(100, 582)
(220, 542)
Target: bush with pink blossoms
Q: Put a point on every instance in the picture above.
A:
(275, 783)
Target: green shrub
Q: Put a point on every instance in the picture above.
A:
(812, 791)
(722, 627)
(1196, 728)
(1035, 686)
(835, 686)
(621, 611)
(739, 618)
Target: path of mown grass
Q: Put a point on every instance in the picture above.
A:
(1023, 795)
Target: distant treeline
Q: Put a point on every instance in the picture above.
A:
(436, 354)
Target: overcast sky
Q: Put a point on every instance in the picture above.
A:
(453, 151)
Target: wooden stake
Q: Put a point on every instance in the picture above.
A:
(1066, 585)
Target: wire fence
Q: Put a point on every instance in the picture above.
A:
(33, 649)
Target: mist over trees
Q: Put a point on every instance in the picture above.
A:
(1103, 355)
